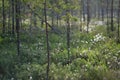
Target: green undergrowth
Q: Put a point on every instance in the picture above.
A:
(93, 56)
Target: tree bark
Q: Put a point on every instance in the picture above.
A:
(13, 17)
(68, 31)
(118, 32)
(80, 16)
(47, 43)
(107, 18)
(83, 11)
(88, 15)
(3, 14)
(9, 14)
(112, 26)
(17, 5)
(102, 9)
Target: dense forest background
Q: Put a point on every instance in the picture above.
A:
(59, 40)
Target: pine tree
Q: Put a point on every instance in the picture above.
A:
(68, 30)
(88, 15)
(13, 17)
(3, 14)
(112, 25)
(118, 33)
(47, 42)
(17, 5)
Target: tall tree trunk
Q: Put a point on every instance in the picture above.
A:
(102, 9)
(68, 38)
(13, 17)
(80, 16)
(112, 26)
(99, 11)
(68, 31)
(9, 14)
(88, 15)
(118, 32)
(107, 18)
(47, 42)
(3, 14)
(17, 5)
(83, 10)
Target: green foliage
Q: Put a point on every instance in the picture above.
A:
(93, 56)
(1, 39)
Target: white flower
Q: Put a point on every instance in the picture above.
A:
(12, 78)
(30, 77)
(98, 37)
